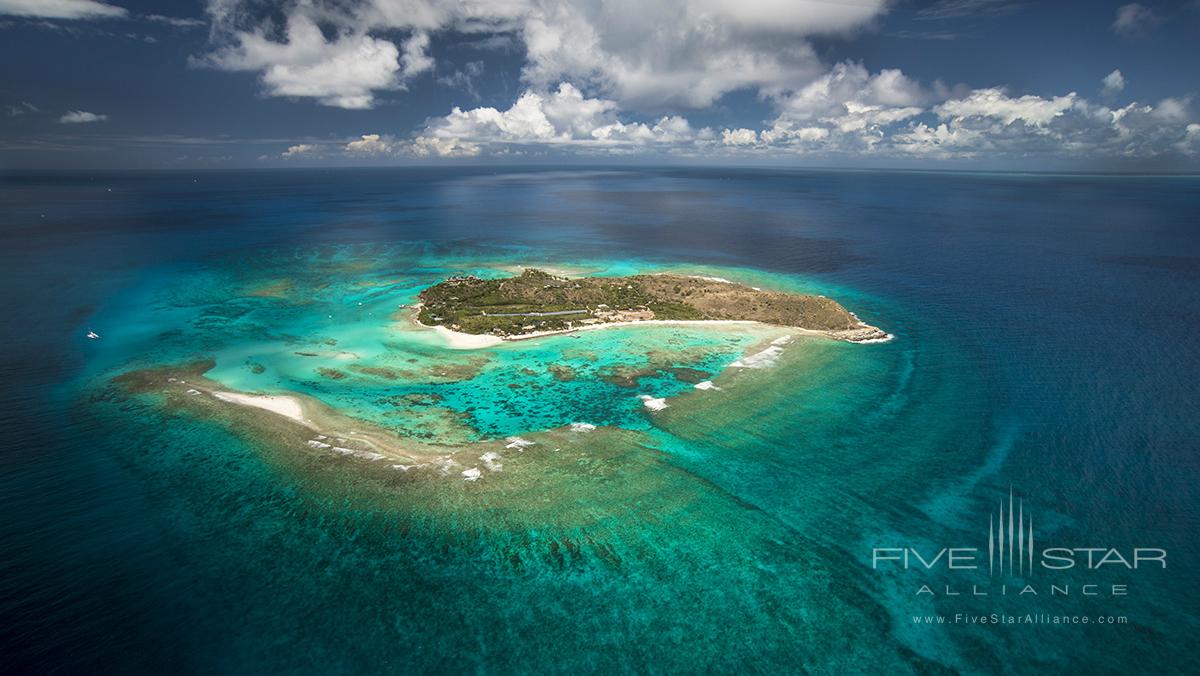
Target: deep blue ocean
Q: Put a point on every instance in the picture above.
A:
(1046, 347)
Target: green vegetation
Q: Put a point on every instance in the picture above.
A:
(539, 301)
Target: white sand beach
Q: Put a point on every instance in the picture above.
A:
(457, 340)
(466, 341)
(288, 407)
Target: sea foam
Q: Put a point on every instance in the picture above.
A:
(445, 465)
(763, 358)
(491, 460)
(518, 443)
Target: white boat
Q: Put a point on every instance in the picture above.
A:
(93, 335)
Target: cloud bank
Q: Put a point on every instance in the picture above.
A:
(848, 111)
(669, 53)
(600, 77)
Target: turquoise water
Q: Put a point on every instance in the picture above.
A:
(334, 324)
(1042, 346)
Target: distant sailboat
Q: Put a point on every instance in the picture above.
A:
(92, 334)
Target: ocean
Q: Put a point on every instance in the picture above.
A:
(1044, 352)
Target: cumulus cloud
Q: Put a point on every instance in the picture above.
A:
(847, 111)
(990, 121)
(994, 104)
(61, 9)
(939, 140)
(1173, 109)
(343, 70)
(848, 105)
(416, 56)
(297, 150)
(681, 53)
(1114, 83)
(1190, 143)
(739, 137)
(1134, 19)
(369, 144)
(846, 108)
(425, 146)
(563, 116)
(81, 117)
(667, 53)
(599, 76)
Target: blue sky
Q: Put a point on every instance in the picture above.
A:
(1104, 86)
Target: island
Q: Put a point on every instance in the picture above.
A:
(538, 303)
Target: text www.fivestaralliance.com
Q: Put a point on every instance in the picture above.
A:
(1029, 618)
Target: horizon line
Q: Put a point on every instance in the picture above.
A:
(599, 167)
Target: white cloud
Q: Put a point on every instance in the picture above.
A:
(1190, 143)
(848, 112)
(739, 137)
(795, 136)
(60, 9)
(344, 71)
(1134, 19)
(424, 146)
(848, 106)
(561, 117)
(369, 144)
(1114, 83)
(81, 117)
(297, 150)
(177, 22)
(681, 53)
(416, 56)
(941, 140)
(994, 103)
(671, 129)
(598, 77)
(525, 120)
(670, 52)
(1172, 109)
(987, 121)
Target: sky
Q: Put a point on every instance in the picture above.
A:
(941, 84)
